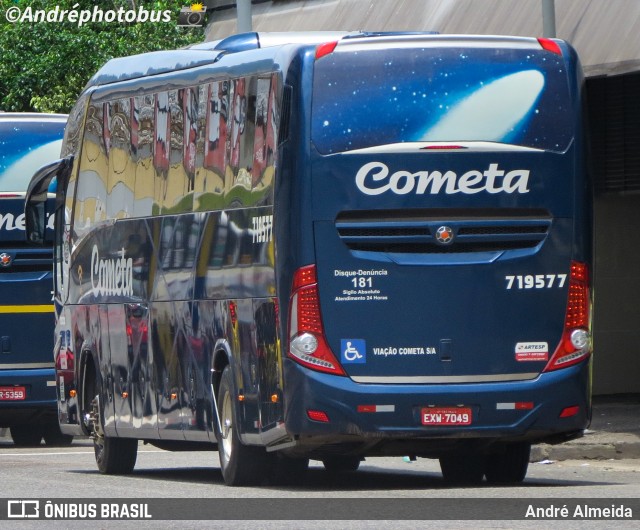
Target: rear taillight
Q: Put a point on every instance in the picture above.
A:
(307, 344)
(550, 45)
(575, 345)
(325, 49)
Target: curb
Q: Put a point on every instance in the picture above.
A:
(585, 450)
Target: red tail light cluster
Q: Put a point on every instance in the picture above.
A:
(578, 303)
(325, 49)
(575, 345)
(550, 45)
(307, 344)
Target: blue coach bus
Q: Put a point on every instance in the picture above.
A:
(326, 246)
(27, 374)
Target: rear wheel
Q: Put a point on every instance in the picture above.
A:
(463, 468)
(341, 464)
(241, 465)
(114, 456)
(509, 466)
(26, 435)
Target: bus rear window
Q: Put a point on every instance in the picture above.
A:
(26, 145)
(379, 97)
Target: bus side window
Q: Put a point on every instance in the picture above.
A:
(121, 179)
(210, 181)
(263, 168)
(161, 141)
(189, 98)
(200, 172)
(235, 178)
(91, 189)
(144, 117)
(249, 131)
(70, 196)
(174, 186)
(63, 238)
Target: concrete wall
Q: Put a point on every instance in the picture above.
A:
(617, 295)
(605, 32)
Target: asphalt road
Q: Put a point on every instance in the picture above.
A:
(390, 484)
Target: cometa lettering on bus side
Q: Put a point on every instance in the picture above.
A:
(111, 276)
(374, 178)
(10, 222)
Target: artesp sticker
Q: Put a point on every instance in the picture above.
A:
(532, 351)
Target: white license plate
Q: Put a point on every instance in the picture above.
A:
(445, 416)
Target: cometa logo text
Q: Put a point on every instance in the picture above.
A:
(375, 178)
(111, 276)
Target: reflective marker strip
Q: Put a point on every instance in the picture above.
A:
(26, 308)
(521, 405)
(376, 408)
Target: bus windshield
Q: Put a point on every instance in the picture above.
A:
(24, 145)
(514, 96)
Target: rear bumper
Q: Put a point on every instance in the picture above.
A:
(399, 420)
(40, 400)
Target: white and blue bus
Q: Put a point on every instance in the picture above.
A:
(326, 246)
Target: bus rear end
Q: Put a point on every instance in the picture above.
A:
(447, 313)
(27, 375)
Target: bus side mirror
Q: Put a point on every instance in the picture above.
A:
(39, 203)
(35, 215)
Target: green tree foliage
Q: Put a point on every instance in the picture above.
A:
(45, 65)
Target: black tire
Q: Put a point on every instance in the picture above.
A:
(341, 464)
(53, 436)
(509, 466)
(288, 471)
(463, 468)
(26, 435)
(114, 456)
(241, 465)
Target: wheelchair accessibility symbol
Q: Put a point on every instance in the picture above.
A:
(353, 351)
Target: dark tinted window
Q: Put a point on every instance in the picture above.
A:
(369, 98)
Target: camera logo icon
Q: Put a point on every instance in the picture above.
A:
(192, 16)
(23, 509)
